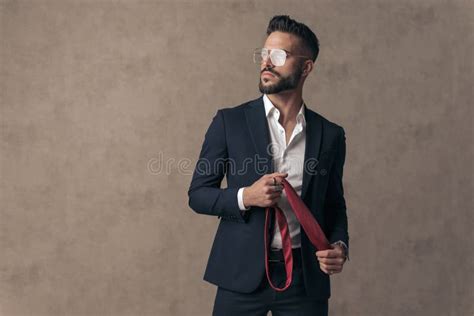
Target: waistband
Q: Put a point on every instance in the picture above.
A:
(276, 255)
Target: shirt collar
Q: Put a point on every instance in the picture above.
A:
(270, 109)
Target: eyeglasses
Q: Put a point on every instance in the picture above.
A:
(277, 56)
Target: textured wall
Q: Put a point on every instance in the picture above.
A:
(95, 93)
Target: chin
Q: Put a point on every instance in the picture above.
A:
(266, 80)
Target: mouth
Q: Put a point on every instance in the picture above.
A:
(268, 74)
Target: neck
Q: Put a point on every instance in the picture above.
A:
(288, 103)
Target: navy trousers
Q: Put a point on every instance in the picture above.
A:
(293, 301)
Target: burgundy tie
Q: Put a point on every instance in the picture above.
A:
(307, 222)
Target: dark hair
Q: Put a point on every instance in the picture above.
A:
(283, 23)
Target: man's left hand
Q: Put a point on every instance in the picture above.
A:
(331, 260)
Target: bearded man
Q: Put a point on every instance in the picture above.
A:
(257, 145)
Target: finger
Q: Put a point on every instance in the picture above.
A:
(279, 174)
(272, 190)
(325, 270)
(277, 188)
(271, 187)
(331, 268)
(334, 254)
(329, 253)
(329, 256)
(276, 178)
(324, 253)
(270, 181)
(279, 179)
(338, 249)
(331, 260)
(274, 196)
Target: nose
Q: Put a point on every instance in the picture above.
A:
(267, 62)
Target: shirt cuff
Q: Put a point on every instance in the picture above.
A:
(240, 199)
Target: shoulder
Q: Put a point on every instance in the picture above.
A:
(240, 108)
(236, 114)
(328, 126)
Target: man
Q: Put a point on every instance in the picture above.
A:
(256, 145)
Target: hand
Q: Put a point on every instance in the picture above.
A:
(263, 192)
(331, 260)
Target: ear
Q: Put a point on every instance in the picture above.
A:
(307, 67)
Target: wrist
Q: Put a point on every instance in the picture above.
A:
(240, 200)
(245, 197)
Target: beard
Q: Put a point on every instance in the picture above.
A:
(283, 83)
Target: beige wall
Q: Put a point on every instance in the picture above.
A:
(94, 92)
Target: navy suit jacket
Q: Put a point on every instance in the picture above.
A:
(235, 146)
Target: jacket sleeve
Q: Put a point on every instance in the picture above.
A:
(205, 193)
(335, 204)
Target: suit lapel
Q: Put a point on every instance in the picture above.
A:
(314, 130)
(259, 132)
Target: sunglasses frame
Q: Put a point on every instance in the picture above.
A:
(259, 51)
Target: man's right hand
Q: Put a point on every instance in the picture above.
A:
(263, 192)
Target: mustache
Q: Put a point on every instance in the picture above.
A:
(270, 70)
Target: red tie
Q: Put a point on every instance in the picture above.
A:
(307, 222)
